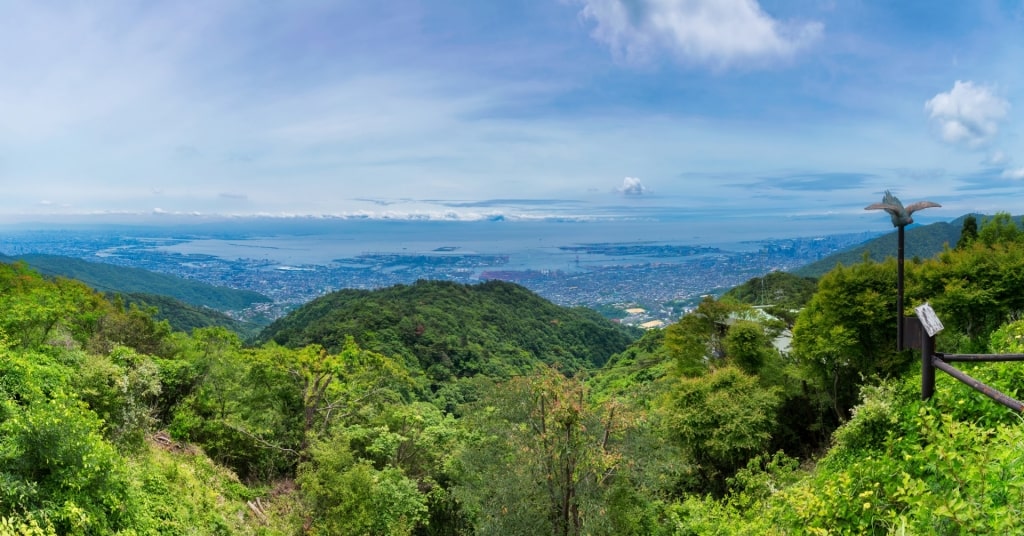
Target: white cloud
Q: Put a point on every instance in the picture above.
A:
(1014, 173)
(632, 186)
(714, 32)
(968, 114)
(997, 158)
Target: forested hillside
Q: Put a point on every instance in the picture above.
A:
(451, 330)
(780, 289)
(922, 241)
(185, 317)
(113, 423)
(782, 294)
(127, 280)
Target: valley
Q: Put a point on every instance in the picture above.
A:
(573, 269)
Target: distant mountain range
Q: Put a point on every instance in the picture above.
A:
(922, 241)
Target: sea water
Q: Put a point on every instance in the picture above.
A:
(527, 244)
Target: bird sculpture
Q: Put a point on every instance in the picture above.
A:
(900, 214)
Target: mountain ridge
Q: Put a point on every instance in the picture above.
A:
(922, 241)
(129, 280)
(452, 329)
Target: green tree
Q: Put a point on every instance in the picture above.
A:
(242, 407)
(34, 310)
(122, 389)
(974, 290)
(847, 333)
(347, 496)
(720, 420)
(55, 465)
(134, 328)
(542, 460)
(969, 232)
(748, 346)
(697, 341)
(999, 229)
(259, 410)
(339, 386)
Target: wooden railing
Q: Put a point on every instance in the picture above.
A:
(919, 333)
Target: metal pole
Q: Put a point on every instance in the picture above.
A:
(927, 365)
(899, 289)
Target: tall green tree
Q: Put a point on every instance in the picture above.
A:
(847, 333)
(259, 410)
(999, 229)
(697, 340)
(748, 346)
(542, 459)
(35, 310)
(974, 290)
(969, 232)
(720, 420)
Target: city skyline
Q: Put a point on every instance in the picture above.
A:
(581, 109)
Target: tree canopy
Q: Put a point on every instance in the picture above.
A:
(452, 330)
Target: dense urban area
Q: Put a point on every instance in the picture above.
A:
(640, 283)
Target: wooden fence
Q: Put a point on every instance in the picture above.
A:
(919, 333)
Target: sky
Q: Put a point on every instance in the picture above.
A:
(516, 109)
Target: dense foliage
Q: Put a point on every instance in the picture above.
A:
(186, 317)
(450, 330)
(111, 422)
(778, 289)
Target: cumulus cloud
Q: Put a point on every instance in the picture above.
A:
(714, 32)
(632, 186)
(967, 114)
(1014, 173)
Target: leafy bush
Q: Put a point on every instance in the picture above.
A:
(346, 496)
(122, 389)
(720, 420)
(55, 464)
(873, 421)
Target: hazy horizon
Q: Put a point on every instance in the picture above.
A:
(694, 229)
(722, 110)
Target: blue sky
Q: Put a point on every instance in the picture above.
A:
(521, 108)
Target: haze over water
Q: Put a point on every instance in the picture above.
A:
(529, 244)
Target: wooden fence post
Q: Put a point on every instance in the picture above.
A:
(931, 326)
(927, 368)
